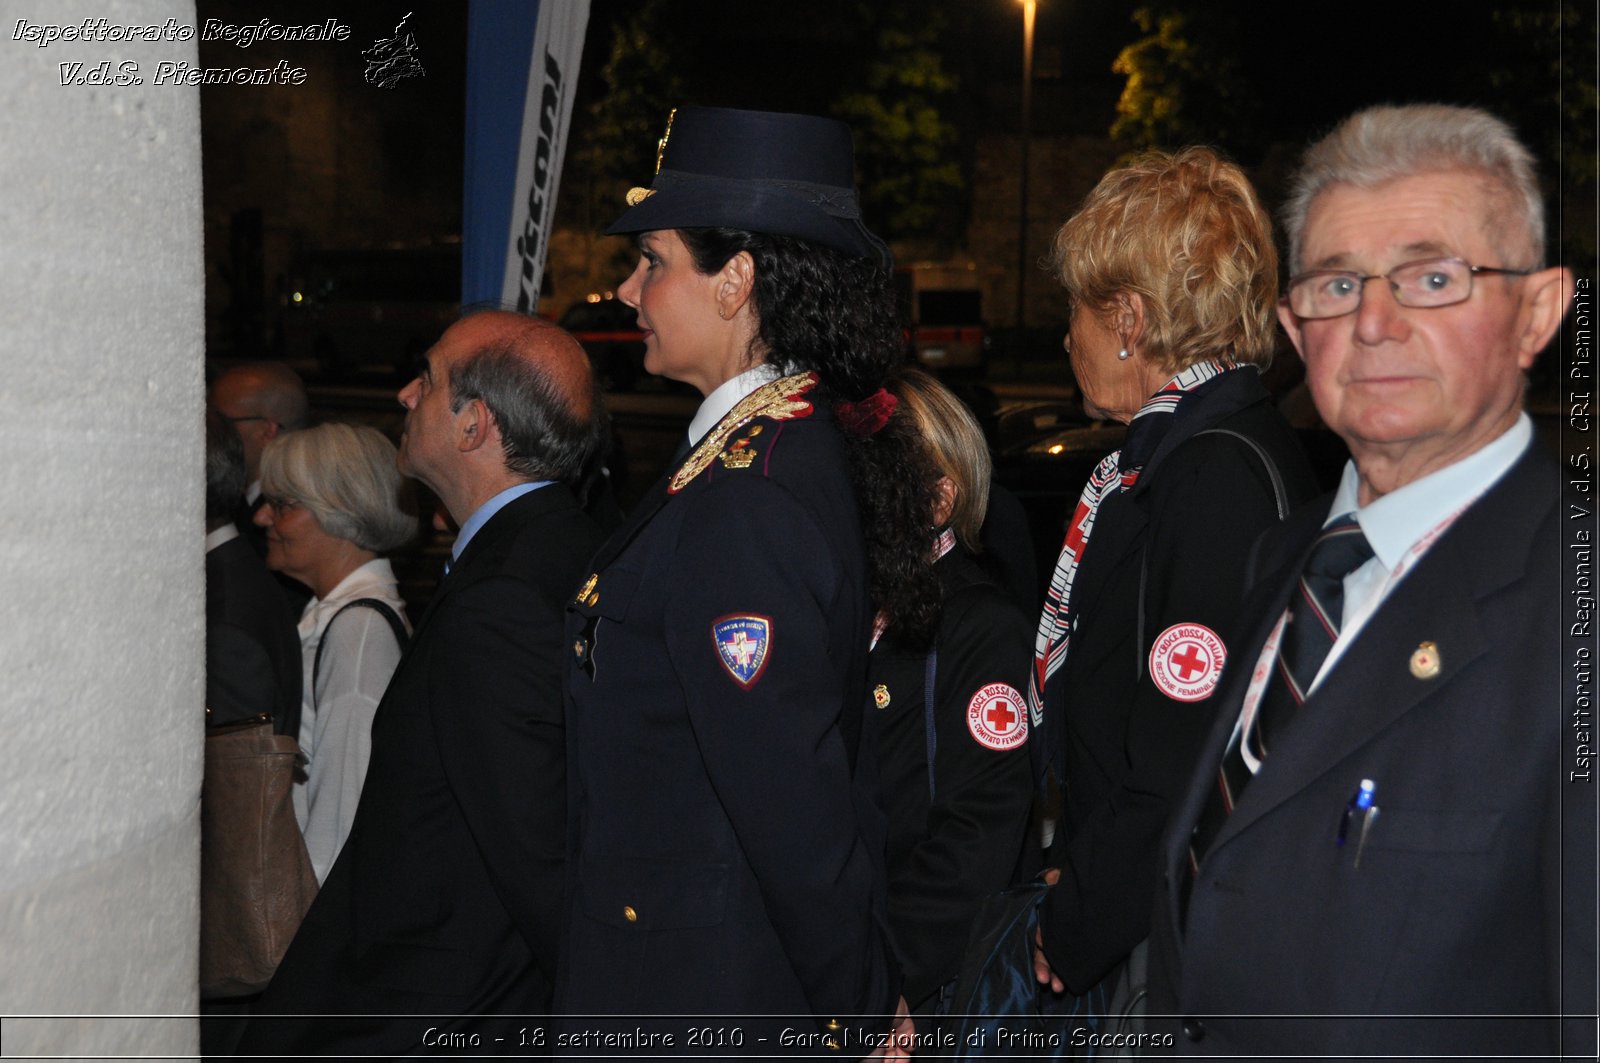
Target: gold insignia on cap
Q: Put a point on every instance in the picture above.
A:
(638, 195)
(880, 696)
(1425, 661)
(661, 145)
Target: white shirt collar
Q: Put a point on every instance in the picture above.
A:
(1398, 520)
(374, 579)
(252, 492)
(727, 396)
(221, 535)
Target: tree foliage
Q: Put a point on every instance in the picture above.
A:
(1550, 45)
(1185, 84)
(615, 145)
(906, 146)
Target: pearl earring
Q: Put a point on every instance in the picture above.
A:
(1122, 355)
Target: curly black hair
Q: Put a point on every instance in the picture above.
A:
(897, 480)
(828, 312)
(820, 310)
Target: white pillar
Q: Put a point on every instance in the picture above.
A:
(101, 585)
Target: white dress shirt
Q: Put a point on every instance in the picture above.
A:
(217, 536)
(1398, 521)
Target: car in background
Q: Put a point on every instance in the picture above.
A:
(367, 315)
(941, 310)
(609, 330)
(1044, 452)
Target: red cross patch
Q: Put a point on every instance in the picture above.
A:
(1186, 661)
(997, 717)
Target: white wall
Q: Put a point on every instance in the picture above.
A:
(101, 586)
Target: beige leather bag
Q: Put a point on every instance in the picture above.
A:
(256, 880)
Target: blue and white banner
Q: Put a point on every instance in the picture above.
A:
(522, 73)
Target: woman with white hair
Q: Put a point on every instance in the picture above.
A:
(332, 510)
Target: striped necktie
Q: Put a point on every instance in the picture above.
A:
(1316, 610)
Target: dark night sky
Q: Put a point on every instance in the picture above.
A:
(1313, 62)
(389, 162)
(1310, 63)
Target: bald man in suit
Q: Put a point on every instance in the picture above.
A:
(445, 900)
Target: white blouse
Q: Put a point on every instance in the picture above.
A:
(336, 718)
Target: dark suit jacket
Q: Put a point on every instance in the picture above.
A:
(720, 864)
(1470, 899)
(1170, 550)
(252, 648)
(445, 898)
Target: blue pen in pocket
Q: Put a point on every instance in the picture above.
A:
(1360, 804)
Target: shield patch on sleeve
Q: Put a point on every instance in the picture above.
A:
(743, 643)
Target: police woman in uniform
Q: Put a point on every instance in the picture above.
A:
(1172, 279)
(725, 874)
(947, 681)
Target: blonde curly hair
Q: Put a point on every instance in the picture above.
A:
(1186, 232)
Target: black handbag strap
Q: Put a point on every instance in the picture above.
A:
(1279, 495)
(1280, 499)
(395, 624)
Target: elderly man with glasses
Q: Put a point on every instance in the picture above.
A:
(1384, 851)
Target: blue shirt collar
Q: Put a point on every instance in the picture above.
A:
(483, 513)
(1398, 520)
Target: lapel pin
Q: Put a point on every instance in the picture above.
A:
(880, 696)
(1425, 661)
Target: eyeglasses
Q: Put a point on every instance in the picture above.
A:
(279, 505)
(1425, 284)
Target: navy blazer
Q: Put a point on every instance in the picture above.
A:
(722, 859)
(1473, 905)
(445, 899)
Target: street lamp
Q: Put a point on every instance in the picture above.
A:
(1028, 9)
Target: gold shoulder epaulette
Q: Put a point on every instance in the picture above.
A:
(782, 400)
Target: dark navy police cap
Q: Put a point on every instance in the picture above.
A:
(761, 171)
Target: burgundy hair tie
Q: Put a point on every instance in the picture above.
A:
(867, 417)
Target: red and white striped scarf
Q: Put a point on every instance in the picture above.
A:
(1055, 623)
